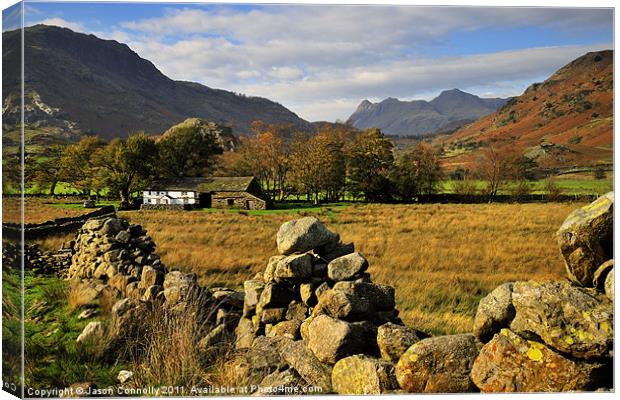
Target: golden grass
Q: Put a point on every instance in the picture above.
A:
(440, 258)
(36, 210)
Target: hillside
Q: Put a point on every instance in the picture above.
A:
(78, 82)
(565, 121)
(449, 110)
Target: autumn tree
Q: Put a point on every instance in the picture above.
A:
(369, 163)
(417, 172)
(46, 170)
(77, 164)
(317, 166)
(127, 165)
(188, 151)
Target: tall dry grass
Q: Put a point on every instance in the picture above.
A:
(168, 354)
(36, 210)
(441, 258)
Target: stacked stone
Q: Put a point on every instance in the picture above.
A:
(554, 336)
(118, 254)
(110, 255)
(316, 303)
(36, 260)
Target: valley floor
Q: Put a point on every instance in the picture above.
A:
(442, 259)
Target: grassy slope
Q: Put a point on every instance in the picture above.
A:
(573, 109)
(52, 357)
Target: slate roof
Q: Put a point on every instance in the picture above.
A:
(204, 185)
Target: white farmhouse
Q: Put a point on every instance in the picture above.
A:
(220, 192)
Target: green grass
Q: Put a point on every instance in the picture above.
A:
(329, 209)
(568, 186)
(52, 356)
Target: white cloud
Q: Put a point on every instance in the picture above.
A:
(57, 21)
(320, 61)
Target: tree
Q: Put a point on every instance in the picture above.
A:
(126, 166)
(417, 172)
(188, 151)
(498, 167)
(77, 164)
(317, 165)
(47, 170)
(369, 164)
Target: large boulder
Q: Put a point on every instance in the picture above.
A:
(361, 374)
(346, 267)
(573, 320)
(495, 312)
(331, 339)
(509, 363)
(586, 239)
(438, 365)
(304, 234)
(299, 357)
(285, 382)
(394, 340)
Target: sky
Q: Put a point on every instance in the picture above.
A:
(322, 61)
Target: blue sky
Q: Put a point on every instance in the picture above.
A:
(321, 61)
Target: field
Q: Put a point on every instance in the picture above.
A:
(441, 258)
(37, 210)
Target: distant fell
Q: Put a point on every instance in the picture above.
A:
(565, 121)
(79, 82)
(449, 110)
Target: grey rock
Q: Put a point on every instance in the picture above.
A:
(296, 267)
(586, 239)
(93, 333)
(361, 374)
(394, 340)
(495, 312)
(303, 360)
(573, 320)
(346, 267)
(331, 339)
(302, 235)
(440, 364)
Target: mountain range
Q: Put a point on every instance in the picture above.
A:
(563, 122)
(450, 110)
(78, 82)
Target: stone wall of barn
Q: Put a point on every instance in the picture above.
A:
(242, 200)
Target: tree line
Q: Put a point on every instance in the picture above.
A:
(336, 162)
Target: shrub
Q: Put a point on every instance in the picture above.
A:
(521, 189)
(552, 190)
(599, 173)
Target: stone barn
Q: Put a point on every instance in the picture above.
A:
(241, 192)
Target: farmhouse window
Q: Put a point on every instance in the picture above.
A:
(183, 193)
(231, 202)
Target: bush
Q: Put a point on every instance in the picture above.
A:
(521, 189)
(599, 173)
(552, 190)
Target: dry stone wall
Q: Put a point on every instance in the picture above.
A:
(328, 325)
(314, 317)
